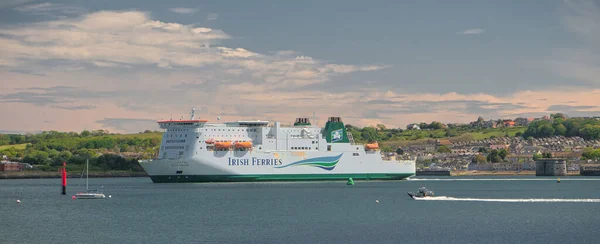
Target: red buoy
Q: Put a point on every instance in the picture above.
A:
(64, 178)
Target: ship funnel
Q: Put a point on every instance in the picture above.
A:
(335, 131)
(302, 122)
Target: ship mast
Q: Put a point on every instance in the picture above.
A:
(193, 113)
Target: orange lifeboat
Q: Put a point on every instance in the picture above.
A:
(223, 144)
(210, 141)
(372, 146)
(243, 144)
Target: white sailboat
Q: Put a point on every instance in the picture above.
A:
(89, 194)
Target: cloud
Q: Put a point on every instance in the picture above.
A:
(128, 124)
(12, 3)
(472, 31)
(212, 16)
(575, 111)
(183, 10)
(80, 107)
(117, 39)
(51, 9)
(62, 97)
(123, 70)
(582, 18)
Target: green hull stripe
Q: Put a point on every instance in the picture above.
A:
(286, 177)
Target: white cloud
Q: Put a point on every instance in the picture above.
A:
(183, 10)
(131, 38)
(51, 9)
(126, 63)
(212, 16)
(472, 31)
(109, 64)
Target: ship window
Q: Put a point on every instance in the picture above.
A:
(355, 154)
(328, 147)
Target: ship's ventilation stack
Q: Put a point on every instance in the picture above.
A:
(302, 122)
(335, 131)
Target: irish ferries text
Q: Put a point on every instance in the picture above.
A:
(254, 161)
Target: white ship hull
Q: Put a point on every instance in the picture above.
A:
(277, 166)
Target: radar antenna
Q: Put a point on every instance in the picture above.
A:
(193, 114)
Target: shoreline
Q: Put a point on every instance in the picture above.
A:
(121, 174)
(47, 175)
(504, 173)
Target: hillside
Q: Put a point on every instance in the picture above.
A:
(390, 139)
(106, 151)
(47, 150)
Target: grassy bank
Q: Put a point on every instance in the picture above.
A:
(15, 146)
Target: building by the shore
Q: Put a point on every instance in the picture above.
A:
(10, 166)
(550, 167)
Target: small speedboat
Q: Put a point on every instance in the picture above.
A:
(422, 193)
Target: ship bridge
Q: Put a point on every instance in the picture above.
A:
(168, 124)
(174, 124)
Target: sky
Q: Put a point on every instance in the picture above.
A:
(123, 65)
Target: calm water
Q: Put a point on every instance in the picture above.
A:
(320, 212)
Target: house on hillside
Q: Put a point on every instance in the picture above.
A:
(444, 142)
(509, 123)
(499, 146)
(523, 121)
(413, 126)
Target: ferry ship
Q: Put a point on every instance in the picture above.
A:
(195, 150)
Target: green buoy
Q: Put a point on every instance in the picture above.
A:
(350, 182)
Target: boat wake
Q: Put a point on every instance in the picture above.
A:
(444, 198)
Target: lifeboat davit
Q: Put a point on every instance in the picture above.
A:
(243, 144)
(372, 146)
(223, 144)
(210, 141)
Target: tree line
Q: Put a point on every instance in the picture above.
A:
(105, 151)
(586, 128)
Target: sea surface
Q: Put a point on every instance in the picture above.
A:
(523, 209)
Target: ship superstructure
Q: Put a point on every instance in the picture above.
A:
(197, 151)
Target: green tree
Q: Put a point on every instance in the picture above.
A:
(451, 133)
(560, 130)
(503, 153)
(479, 159)
(369, 134)
(494, 156)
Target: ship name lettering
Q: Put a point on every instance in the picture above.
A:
(254, 161)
